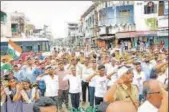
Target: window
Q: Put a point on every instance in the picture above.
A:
(150, 8)
(14, 27)
(124, 15)
(29, 48)
(3, 17)
(161, 8)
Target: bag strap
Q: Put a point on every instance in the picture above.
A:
(130, 98)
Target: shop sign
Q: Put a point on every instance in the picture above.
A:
(162, 33)
(136, 34)
(163, 21)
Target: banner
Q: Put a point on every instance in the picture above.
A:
(14, 50)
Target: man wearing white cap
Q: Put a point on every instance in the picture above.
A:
(123, 89)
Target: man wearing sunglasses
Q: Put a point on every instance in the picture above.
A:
(156, 97)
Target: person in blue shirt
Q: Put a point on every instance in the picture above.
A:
(17, 73)
(29, 71)
(147, 67)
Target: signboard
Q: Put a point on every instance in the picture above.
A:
(165, 7)
(136, 34)
(151, 23)
(162, 32)
(162, 21)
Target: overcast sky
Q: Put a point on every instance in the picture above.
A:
(53, 13)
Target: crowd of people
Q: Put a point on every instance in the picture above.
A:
(117, 81)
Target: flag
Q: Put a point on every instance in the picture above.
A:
(14, 50)
(6, 67)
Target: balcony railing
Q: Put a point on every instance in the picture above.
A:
(117, 20)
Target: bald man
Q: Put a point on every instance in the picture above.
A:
(156, 98)
(115, 107)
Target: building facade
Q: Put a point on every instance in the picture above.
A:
(72, 36)
(17, 24)
(127, 21)
(162, 32)
(5, 25)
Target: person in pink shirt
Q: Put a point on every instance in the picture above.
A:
(63, 86)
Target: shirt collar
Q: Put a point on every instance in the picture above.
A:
(147, 106)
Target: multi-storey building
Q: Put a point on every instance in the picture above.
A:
(115, 17)
(130, 21)
(17, 23)
(5, 25)
(150, 17)
(162, 32)
(87, 26)
(72, 33)
(29, 28)
(107, 19)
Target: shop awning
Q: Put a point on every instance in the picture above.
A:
(105, 37)
(136, 34)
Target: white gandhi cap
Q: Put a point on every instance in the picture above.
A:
(122, 71)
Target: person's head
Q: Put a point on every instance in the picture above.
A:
(4, 60)
(10, 73)
(86, 62)
(12, 81)
(101, 69)
(65, 61)
(138, 66)
(61, 66)
(94, 64)
(73, 62)
(73, 71)
(127, 107)
(50, 70)
(152, 93)
(73, 54)
(117, 62)
(107, 59)
(29, 61)
(20, 61)
(42, 64)
(113, 54)
(113, 62)
(16, 68)
(147, 59)
(26, 84)
(82, 53)
(36, 62)
(126, 74)
(11, 62)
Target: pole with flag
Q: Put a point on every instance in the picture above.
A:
(14, 50)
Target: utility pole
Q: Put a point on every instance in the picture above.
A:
(95, 25)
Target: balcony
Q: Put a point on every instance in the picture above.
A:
(16, 20)
(107, 22)
(124, 19)
(118, 20)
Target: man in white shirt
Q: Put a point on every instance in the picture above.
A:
(92, 83)
(100, 84)
(74, 87)
(139, 78)
(85, 84)
(52, 84)
(153, 97)
(111, 69)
